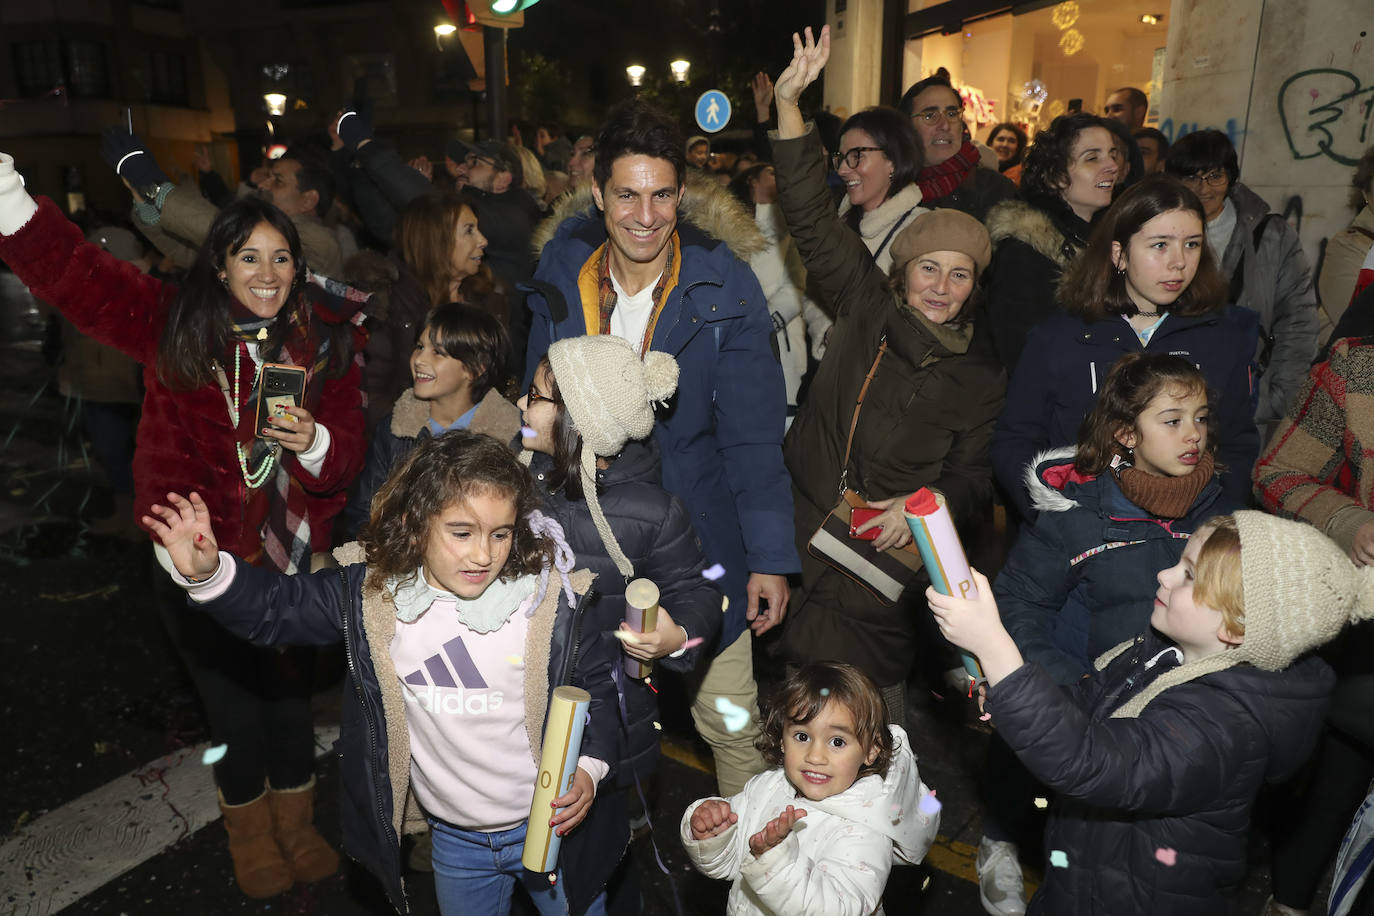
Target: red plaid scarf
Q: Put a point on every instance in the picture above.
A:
(938, 181)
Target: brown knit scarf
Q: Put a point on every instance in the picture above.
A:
(1166, 497)
(938, 181)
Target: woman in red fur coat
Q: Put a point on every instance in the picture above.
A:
(272, 491)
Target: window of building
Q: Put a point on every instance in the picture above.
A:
(43, 66)
(167, 78)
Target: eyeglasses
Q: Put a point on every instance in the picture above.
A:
(472, 159)
(1213, 179)
(930, 115)
(533, 396)
(851, 157)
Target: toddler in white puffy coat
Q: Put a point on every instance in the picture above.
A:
(819, 832)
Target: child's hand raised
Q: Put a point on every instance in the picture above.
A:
(185, 531)
(570, 809)
(974, 624)
(776, 830)
(712, 818)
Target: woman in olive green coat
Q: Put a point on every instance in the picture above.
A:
(928, 414)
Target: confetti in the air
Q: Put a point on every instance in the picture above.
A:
(515, 659)
(1166, 856)
(736, 719)
(985, 717)
(929, 805)
(1059, 859)
(825, 691)
(627, 636)
(693, 642)
(725, 604)
(528, 433)
(713, 572)
(1042, 802)
(214, 754)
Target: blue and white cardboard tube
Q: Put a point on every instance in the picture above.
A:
(557, 764)
(931, 525)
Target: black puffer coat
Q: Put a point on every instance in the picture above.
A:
(653, 529)
(1182, 776)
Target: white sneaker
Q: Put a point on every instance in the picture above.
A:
(1001, 888)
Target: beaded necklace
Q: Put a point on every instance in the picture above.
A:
(255, 478)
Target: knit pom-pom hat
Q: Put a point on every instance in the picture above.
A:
(1300, 590)
(609, 393)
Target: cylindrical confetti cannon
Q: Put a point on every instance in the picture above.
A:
(943, 554)
(557, 764)
(641, 613)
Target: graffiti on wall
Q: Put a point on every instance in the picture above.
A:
(1326, 112)
(1232, 130)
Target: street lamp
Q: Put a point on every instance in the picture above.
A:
(276, 103)
(636, 74)
(680, 68)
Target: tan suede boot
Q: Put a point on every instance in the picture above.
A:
(293, 818)
(259, 867)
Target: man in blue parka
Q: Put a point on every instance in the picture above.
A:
(629, 267)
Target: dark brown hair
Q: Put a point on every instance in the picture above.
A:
(1045, 171)
(474, 338)
(1093, 288)
(199, 323)
(567, 441)
(893, 134)
(437, 473)
(799, 698)
(1134, 381)
(638, 128)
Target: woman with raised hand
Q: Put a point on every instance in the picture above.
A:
(926, 418)
(273, 479)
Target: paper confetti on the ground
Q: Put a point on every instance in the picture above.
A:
(1166, 856)
(1058, 859)
(713, 572)
(214, 754)
(736, 719)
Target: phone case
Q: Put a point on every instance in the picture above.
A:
(279, 386)
(857, 516)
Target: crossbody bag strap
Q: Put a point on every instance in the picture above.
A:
(891, 232)
(854, 420)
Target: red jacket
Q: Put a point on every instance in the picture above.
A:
(185, 440)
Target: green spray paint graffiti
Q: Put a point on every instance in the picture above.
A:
(1326, 112)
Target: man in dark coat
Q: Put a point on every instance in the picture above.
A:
(630, 268)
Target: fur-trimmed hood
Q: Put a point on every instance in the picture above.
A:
(1054, 496)
(495, 416)
(706, 205)
(1016, 219)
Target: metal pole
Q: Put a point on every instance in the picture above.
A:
(494, 45)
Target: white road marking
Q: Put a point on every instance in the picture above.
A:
(69, 852)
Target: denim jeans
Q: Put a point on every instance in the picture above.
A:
(475, 874)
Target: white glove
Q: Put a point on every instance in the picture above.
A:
(16, 206)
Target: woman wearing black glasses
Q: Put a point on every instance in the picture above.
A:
(1262, 260)
(905, 397)
(878, 160)
(951, 176)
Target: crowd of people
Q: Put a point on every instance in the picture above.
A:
(446, 414)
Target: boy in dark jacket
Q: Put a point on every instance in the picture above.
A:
(1157, 757)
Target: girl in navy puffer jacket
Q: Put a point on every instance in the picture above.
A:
(1079, 580)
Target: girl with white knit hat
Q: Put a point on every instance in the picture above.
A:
(589, 416)
(1156, 757)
